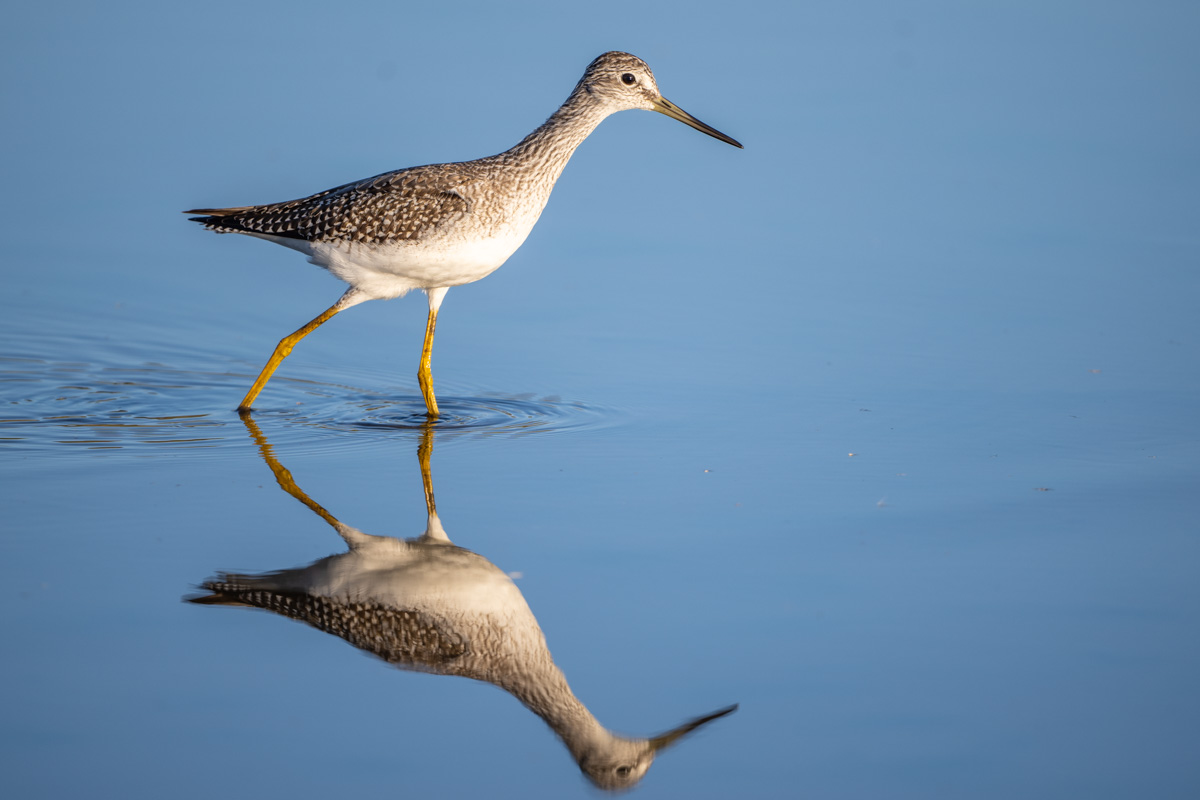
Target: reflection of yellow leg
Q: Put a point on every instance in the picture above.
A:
(424, 374)
(434, 532)
(424, 451)
(282, 476)
(353, 536)
(288, 342)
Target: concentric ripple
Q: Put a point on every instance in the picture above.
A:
(485, 414)
(153, 408)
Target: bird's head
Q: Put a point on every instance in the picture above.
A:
(618, 763)
(623, 81)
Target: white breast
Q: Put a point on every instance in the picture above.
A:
(385, 271)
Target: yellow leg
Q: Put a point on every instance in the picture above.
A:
(424, 374)
(288, 342)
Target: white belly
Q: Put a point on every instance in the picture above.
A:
(385, 271)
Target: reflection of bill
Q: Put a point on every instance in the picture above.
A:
(426, 604)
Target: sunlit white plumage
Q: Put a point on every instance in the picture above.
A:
(442, 225)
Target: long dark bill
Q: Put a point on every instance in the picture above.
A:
(669, 738)
(664, 106)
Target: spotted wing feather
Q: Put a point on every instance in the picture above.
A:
(404, 638)
(395, 207)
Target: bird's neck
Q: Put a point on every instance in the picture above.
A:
(545, 152)
(543, 689)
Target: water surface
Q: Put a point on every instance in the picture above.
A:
(883, 429)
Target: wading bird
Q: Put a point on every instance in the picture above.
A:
(441, 225)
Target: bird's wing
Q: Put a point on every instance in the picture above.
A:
(396, 207)
(406, 638)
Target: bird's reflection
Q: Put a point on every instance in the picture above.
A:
(426, 604)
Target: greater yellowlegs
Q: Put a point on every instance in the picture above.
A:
(428, 605)
(441, 225)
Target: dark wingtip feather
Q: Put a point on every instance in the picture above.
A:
(218, 219)
(214, 599)
(211, 215)
(220, 212)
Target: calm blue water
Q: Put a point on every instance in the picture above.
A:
(883, 428)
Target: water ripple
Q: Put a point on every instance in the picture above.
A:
(153, 408)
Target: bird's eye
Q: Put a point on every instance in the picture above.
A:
(628, 79)
(624, 771)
